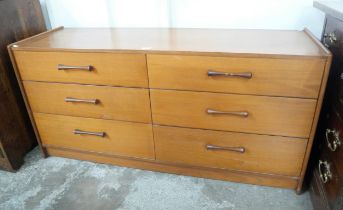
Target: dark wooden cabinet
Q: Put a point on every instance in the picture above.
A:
(19, 19)
(326, 187)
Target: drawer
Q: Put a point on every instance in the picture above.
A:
(338, 95)
(317, 193)
(333, 37)
(106, 68)
(333, 138)
(266, 115)
(118, 138)
(226, 150)
(274, 77)
(329, 178)
(130, 104)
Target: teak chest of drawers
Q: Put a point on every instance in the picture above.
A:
(238, 105)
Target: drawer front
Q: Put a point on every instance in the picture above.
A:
(217, 149)
(317, 193)
(130, 104)
(333, 37)
(266, 115)
(274, 77)
(333, 140)
(120, 138)
(107, 68)
(329, 178)
(338, 93)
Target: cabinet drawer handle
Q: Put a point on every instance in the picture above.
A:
(90, 101)
(240, 114)
(336, 142)
(247, 75)
(80, 132)
(231, 149)
(66, 67)
(324, 169)
(331, 37)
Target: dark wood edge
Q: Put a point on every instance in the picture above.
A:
(316, 41)
(22, 90)
(153, 161)
(35, 37)
(278, 181)
(314, 123)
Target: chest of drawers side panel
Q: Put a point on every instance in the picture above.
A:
(314, 124)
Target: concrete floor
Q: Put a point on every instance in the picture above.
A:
(59, 183)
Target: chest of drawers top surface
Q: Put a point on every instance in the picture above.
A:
(196, 41)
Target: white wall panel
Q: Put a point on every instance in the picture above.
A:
(257, 14)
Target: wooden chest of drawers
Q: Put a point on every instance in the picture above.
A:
(239, 105)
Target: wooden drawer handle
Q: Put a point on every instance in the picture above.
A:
(80, 132)
(240, 114)
(247, 75)
(231, 149)
(66, 67)
(336, 142)
(90, 101)
(324, 169)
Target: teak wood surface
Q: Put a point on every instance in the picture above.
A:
(300, 97)
(107, 68)
(267, 115)
(116, 103)
(264, 154)
(256, 43)
(273, 77)
(121, 138)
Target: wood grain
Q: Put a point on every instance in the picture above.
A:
(267, 115)
(130, 104)
(233, 42)
(108, 68)
(229, 175)
(19, 19)
(122, 138)
(315, 123)
(274, 77)
(122, 53)
(264, 154)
